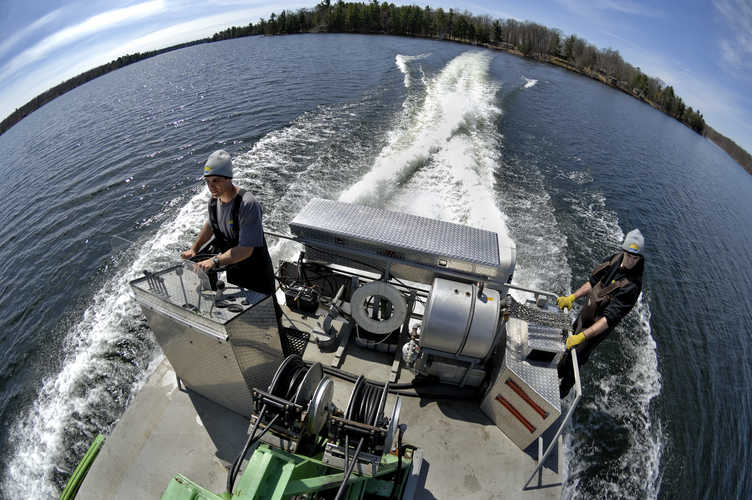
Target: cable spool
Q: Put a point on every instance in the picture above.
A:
(305, 386)
(364, 423)
(366, 405)
(319, 408)
(393, 426)
(287, 378)
(359, 305)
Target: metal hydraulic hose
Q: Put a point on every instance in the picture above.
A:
(252, 439)
(343, 487)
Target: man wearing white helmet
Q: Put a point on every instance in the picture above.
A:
(234, 219)
(612, 290)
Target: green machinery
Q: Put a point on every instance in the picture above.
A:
(313, 450)
(276, 474)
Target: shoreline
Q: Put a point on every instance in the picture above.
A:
(735, 152)
(741, 156)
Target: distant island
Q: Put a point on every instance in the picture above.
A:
(525, 39)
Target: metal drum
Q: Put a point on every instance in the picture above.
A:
(459, 320)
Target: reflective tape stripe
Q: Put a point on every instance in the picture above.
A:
(516, 388)
(514, 412)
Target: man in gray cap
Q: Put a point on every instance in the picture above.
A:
(234, 220)
(612, 291)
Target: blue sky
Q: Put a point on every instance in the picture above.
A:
(702, 48)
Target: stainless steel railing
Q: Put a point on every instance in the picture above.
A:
(555, 440)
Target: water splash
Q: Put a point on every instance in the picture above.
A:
(403, 61)
(443, 151)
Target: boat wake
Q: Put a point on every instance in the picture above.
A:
(403, 63)
(111, 352)
(443, 150)
(107, 356)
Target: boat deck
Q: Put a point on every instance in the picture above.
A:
(169, 429)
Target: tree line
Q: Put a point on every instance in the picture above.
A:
(526, 38)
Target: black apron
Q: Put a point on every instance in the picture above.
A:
(600, 294)
(254, 273)
(597, 300)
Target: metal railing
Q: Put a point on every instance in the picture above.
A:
(535, 292)
(578, 394)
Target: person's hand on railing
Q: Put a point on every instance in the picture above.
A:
(576, 339)
(565, 302)
(207, 265)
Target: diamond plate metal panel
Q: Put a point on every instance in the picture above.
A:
(403, 240)
(544, 380)
(399, 230)
(522, 391)
(256, 344)
(544, 338)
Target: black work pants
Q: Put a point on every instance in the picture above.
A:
(565, 369)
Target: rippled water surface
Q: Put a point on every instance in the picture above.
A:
(559, 163)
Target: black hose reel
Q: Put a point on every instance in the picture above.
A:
(300, 397)
(363, 434)
(294, 408)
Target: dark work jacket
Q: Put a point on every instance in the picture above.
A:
(617, 303)
(254, 273)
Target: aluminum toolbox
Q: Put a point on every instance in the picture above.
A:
(218, 352)
(414, 248)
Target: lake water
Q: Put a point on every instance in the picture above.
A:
(563, 165)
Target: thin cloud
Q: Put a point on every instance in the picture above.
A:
(95, 24)
(593, 9)
(76, 62)
(30, 29)
(736, 48)
(629, 7)
(246, 3)
(617, 37)
(187, 31)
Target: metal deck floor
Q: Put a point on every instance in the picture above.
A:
(167, 430)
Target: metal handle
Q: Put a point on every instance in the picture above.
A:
(532, 290)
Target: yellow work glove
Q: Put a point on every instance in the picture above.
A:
(575, 340)
(567, 301)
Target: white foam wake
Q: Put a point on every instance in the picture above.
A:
(529, 82)
(625, 396)
(318, 154)
(440, 158)
(403, 61)
(38, 435)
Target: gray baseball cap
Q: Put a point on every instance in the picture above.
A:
(633, 242)
(219, 163)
